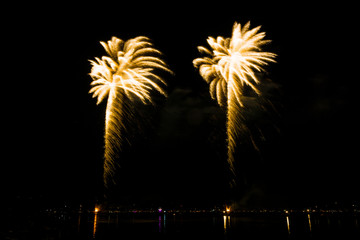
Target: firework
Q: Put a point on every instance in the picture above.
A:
(124, 76)
(230, 67)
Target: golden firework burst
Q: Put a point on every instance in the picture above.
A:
(228, 67)
(126, 74)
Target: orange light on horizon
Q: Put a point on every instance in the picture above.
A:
(227, 209)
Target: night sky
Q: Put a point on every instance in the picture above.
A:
(308, 149)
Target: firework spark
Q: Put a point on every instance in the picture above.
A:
(228, 67)
(123, 76)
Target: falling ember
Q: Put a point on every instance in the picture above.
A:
(229, 66)
(123, 76)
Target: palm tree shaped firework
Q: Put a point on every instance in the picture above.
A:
(124, 76)
(229, 67)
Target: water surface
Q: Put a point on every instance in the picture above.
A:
(106, 226)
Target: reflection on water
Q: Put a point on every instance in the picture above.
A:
(226, 219)
(160, 224)
(309, 221)
(95, 224)
(104, 226)
(288, 224)
(79, 222)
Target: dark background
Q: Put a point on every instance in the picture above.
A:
(54, 131)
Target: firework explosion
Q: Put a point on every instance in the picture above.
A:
(229, 67)
(123, 76)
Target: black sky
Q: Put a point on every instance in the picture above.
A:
(54, 129)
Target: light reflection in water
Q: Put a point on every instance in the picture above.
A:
(164, 223)
(224, 223)
(79, 217)
(226, 219)
(79, 221)
(288, 224)
(95, 224)
(310, 224)
(160, 224)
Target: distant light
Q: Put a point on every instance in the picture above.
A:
(97, 209)
(227, 209)
(160, 210)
